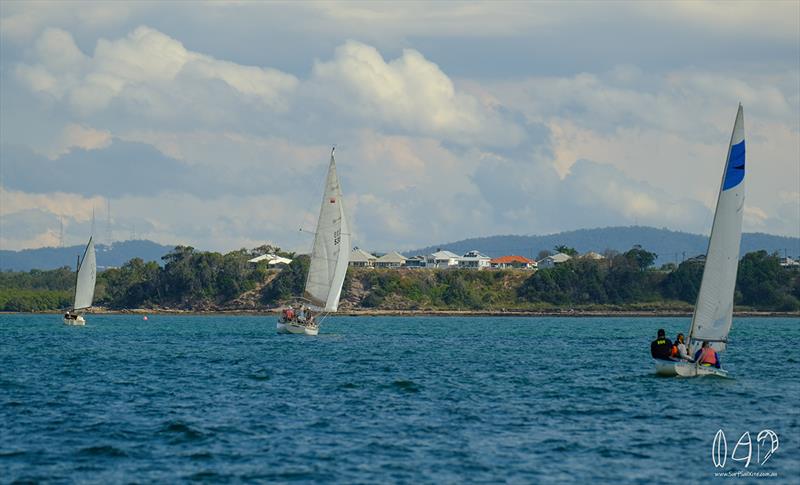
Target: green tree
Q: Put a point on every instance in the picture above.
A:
(643, 259)
(289, 283)
(683, 283)
(763, 283)
(566, 250)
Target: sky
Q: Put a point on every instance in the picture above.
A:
(210, 123)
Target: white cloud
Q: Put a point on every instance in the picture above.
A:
(61, 204)
(78, 136)
(436, 140)
(147, 71)
(409, 92)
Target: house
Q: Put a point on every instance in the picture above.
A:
(507, 262)
(553, 260)
(788, 262)
(393, 260)
(271, 259)
(699, 259)
(442, 259)
(592, 255)
(361, 259)
(474, 260)
(416, 262)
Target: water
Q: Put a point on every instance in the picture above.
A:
(433, 400)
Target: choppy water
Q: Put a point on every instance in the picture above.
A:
(436, 400)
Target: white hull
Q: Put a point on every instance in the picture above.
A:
(77, 321)
(686, 369)
(296, 328)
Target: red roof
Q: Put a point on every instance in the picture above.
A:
(511, 259)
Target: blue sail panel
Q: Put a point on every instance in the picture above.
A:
(734, 171)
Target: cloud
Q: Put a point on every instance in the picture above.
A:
(451, 119)
(141, 71)
(22, 21)
(409, 92)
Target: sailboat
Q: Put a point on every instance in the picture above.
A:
(713, 311)
(84, 286)
(329, 258)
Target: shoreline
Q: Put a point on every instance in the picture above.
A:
(425, 313)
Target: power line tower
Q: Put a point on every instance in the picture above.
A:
(61, 231)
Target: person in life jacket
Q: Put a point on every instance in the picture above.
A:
(707, 356)
(661, 347)
(679, 349)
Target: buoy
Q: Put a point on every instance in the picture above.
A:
(144, 318)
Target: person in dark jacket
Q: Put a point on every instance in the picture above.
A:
(661, 347)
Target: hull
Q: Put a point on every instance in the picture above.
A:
(296, 328)
(77, 321)
(668, 368)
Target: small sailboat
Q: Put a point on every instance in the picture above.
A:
(329, 258)
(713, 312)
(84, 286)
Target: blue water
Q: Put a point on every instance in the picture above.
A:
(431, 400)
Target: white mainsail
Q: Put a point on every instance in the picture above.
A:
(331, 250)
(713, 312)
(87, 274)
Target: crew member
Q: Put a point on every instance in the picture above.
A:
(679, 349)
(707, 356)
(661, 347)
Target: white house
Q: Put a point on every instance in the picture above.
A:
(592, 255)
(474, 260)
(552, 261)
(271, 259)
(788, 262)
(391, 260)
(361, 259)
(442, 259)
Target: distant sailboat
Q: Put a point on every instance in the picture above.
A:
(84, 286)
(713, 312)
(329, 258)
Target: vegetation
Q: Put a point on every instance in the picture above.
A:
(191, 279)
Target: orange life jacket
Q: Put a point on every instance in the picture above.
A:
(674, 351)
(708, 356)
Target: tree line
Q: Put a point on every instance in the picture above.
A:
(199, 280)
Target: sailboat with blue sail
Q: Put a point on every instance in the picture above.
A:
(713, 311)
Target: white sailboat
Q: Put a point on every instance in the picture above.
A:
(713, 312)
(84, 286)
(329, 258)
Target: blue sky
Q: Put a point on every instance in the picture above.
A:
(210, 124)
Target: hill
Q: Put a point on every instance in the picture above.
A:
(671, 246)
(107, 256)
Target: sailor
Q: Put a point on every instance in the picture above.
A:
(301, 315)
(661, 347)
(707, 356)
(679, 349)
